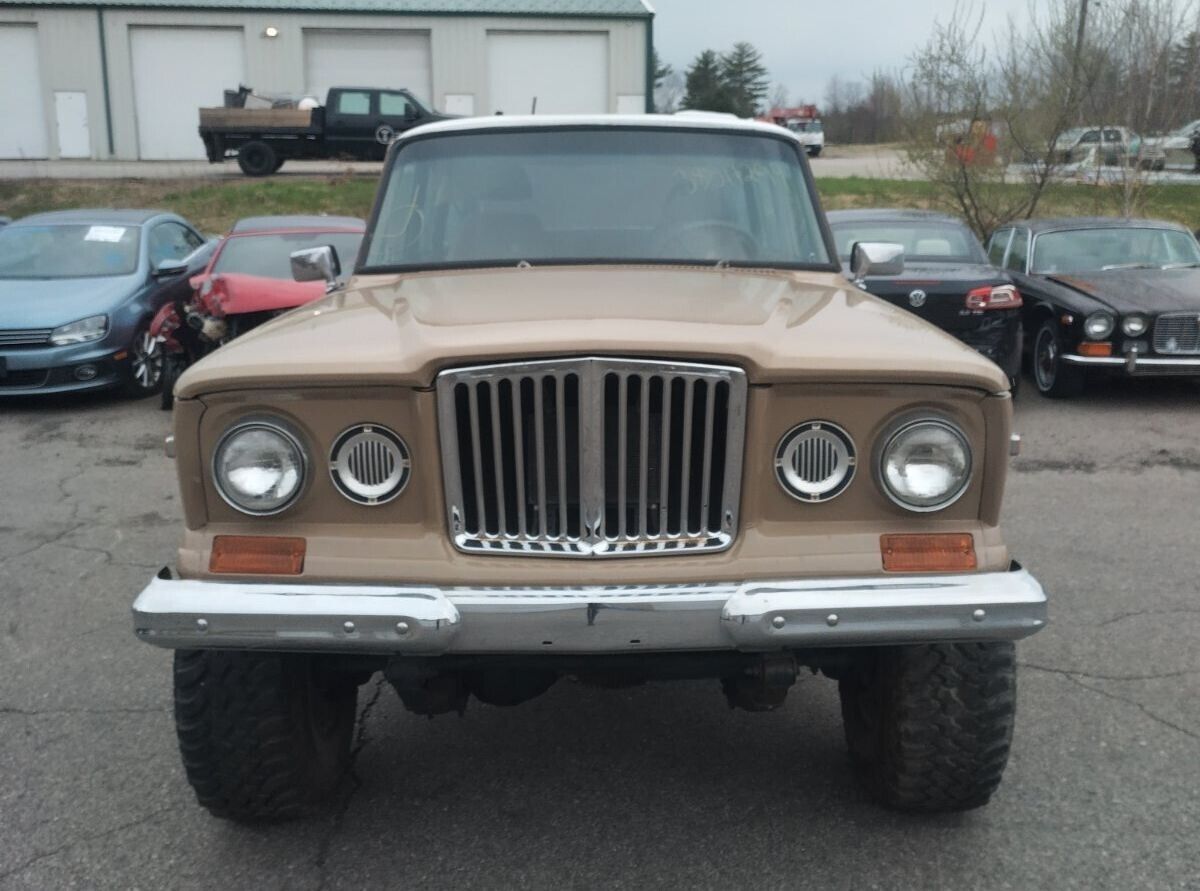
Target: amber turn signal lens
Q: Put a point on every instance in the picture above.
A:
(948, 552)
(1095, 349)
(257, 555)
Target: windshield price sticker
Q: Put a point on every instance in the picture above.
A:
(110, 234)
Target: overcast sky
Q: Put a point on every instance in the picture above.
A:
(804, 42)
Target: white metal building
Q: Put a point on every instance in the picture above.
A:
(124, 79)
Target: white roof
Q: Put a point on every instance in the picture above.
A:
(691, 120)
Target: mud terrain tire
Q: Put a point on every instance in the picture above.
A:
(264, 737)
(929, 727)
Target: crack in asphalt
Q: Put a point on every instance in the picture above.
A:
(1162, 458)
(360, 742)
(1073, 677)
(1183, 610)
(46, 855)
(38, 713)
(1110, 677)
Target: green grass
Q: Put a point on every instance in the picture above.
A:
(1177, 202)
(213, 206)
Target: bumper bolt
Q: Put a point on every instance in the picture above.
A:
(402, 628)
(831, 620)
(202, 625)
(348, 627)
(979, 615)
(779, 621)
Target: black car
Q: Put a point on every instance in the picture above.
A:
(1104, 295)
(947, 279)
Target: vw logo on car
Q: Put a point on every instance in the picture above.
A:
(916, 298)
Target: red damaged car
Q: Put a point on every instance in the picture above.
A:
(247, 281)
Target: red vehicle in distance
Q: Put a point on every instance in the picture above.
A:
(247, 282)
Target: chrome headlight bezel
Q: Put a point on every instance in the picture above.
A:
(840, 474)
(393, 459)
(891, 439)
(1134, 321)
(81, 331)
(1099, 325)
(290, 439)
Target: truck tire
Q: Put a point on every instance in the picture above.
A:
(256, 159)
(929, 727)
(814, 151)
(264, 737)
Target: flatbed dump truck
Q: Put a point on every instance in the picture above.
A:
(358, 123)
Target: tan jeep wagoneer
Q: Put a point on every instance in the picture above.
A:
(597, 402)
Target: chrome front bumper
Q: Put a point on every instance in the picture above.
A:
(1135, 363)
(748, 616)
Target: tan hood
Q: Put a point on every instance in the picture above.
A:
(779, 326)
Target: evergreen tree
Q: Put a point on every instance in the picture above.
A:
(745, 80)
(706, 89)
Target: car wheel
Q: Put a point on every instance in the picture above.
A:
(256, 159)
(264, 737)
(145, 373)
(815, 151)
(929, 727)
(1054, 377)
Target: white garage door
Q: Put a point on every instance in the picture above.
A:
(177, 71)
(566, 72)
(349, 58)
(23, 133)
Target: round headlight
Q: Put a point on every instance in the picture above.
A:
(925, 465)
(815, 461)
(1135, 326)
(259, 468)
(1098, 325)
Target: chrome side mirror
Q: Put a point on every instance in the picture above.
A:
(318, 264)
(875, 258)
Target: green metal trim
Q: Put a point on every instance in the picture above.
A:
(108, 127)
(650, 109)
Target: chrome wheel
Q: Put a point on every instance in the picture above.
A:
(145, 361)
(1045, 359)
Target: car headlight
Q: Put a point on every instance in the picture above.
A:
(259, 467)
(1098, 325)
(83, 331)
(925, 465)
(815, 461)
(1135, 326)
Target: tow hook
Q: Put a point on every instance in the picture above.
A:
(763, 687)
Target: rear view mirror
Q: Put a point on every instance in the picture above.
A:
(318, 264)
(170, 267)
(876, 258)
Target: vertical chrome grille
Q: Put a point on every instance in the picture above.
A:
(592, 457)
(1177, 333)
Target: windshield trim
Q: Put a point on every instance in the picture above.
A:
(137, 264)
(788, 139)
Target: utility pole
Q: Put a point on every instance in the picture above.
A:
(1073, 92)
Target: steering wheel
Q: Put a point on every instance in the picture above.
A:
(723, 241)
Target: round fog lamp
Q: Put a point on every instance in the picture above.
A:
(259, 468)
(1135, 326)
(86, 372)
(1098, 325)
(926, 465)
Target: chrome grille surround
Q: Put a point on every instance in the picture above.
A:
(573, 457)
(1181, 327)
(25, 336)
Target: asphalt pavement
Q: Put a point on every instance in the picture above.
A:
(660, 786)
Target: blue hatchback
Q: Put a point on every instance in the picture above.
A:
(77, 292)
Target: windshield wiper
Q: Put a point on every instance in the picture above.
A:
(1181, 265)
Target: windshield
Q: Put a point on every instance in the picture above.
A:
(597, 196)
(928, 241)
(269, 256)
(805, 126)
(74, 251)
(1091, 250)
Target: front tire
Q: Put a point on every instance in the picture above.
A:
(1054, 377)
(173, 366)
(815, 151)
(929, 727)
(256, 158)
(264, 737)
(144, 375)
